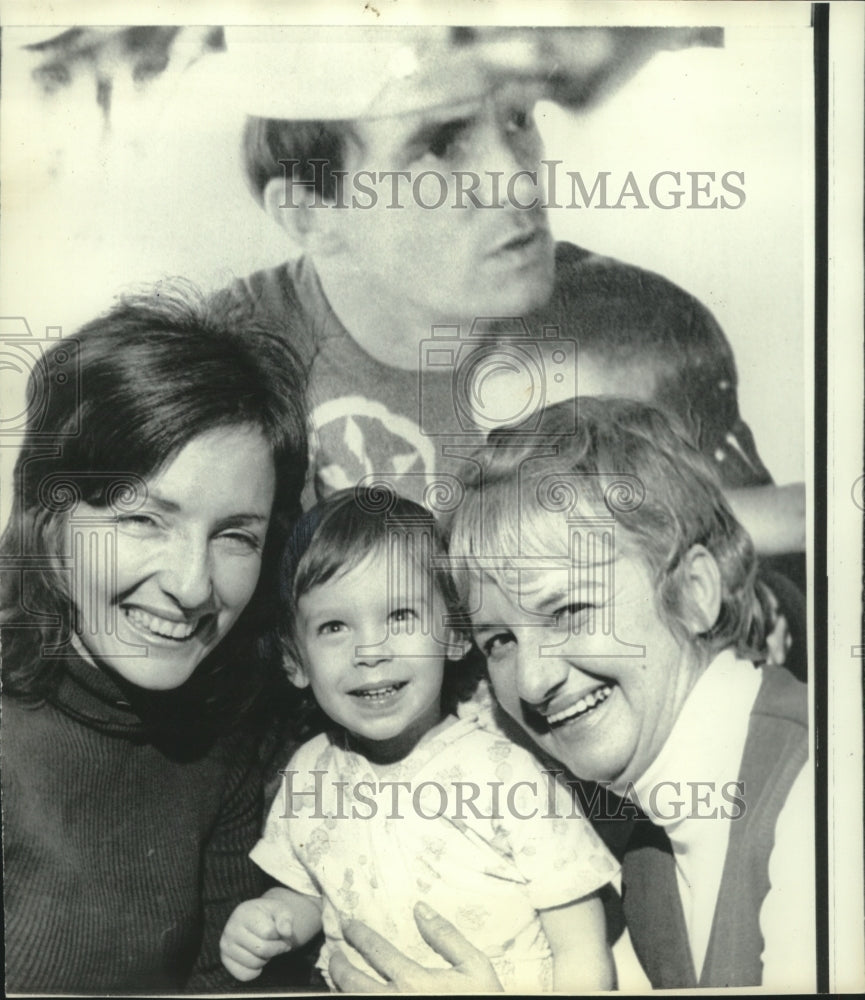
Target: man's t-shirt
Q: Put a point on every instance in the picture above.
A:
(371, 422)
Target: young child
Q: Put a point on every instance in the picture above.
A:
(400, 801)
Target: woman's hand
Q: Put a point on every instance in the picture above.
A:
(470, 972)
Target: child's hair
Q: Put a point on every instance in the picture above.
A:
(334, 537)
(624, 460)
(139, 383)
(318, 148)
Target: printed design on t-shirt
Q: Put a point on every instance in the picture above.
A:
(354, 437)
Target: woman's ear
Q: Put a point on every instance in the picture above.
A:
(299, 211)
(701, 587)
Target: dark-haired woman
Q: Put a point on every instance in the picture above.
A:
(153, 490)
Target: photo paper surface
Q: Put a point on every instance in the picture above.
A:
(498, 221)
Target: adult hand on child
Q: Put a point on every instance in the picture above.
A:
(257, 931)
(470, 972)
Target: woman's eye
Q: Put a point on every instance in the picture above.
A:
(239, 542)
(403, 615)
(496, 646)
(136, 523)
(572, 616)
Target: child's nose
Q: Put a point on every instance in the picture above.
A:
(373, 648)
(369, 656)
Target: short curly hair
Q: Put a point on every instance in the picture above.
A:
(625, 460)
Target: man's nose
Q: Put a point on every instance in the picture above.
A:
(539, 676)
(515, 156)
(186, 574)
(503, 153)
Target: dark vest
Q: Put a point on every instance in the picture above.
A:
(776, 749)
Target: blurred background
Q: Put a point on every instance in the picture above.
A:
(120, 163)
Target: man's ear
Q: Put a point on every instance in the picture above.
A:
(700, 581)
(297, 209)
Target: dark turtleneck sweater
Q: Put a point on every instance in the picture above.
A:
(125, 840)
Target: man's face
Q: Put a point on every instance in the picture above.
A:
(582, 660)
(428, 242)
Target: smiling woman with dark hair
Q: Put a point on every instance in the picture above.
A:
(153, 493)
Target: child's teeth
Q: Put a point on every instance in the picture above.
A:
(378, 693)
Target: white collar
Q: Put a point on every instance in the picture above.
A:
(705, 746)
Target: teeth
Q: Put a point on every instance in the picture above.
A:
(583, 705)
(378, 694)
(162, 627)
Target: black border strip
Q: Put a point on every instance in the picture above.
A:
(820, 610)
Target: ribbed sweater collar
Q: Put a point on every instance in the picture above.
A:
(90, 695)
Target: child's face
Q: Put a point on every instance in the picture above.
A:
(458, 260)
(371, 652)
(600, 684)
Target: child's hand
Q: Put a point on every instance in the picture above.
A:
(256, 932)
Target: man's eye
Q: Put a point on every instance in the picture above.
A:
(520, 120)
(445, 140)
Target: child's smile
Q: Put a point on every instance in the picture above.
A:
(379, 694)
(372, 652)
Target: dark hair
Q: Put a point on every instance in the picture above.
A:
(267, 141)
(340, 532)
(141, 382)
(636, 320)
(627, 460)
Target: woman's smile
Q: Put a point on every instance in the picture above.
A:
(152, 625)
(186, 561)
